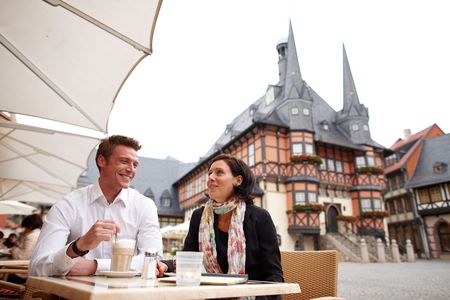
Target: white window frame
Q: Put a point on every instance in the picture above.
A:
(251, 155)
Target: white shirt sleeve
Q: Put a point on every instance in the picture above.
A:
(49, 256)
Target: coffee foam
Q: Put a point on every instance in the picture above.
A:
(124, 243)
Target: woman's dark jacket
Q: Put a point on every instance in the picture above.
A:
(262, 260)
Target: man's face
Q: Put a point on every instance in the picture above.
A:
(120, 168)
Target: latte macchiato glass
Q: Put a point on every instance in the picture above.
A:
(122, 253)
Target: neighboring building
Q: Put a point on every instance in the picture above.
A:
(431, 188)
(404, 221)
(312, 164)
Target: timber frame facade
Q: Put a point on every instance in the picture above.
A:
(312, 164)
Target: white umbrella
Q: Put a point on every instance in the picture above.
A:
(176, 232)
(67, 60)
(9, 207)
(31, 192)
(43, 156)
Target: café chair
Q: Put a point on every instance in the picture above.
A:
(315, 271)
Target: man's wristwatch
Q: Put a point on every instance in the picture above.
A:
(78, 251)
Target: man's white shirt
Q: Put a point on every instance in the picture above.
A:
(73, 216)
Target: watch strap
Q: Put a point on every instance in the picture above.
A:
(78, 251)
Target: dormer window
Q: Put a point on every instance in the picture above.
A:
(294, 111)
(439, 167)
(251, 112)
(306, 111)
(325, 125)
(355, 127)
(166, 202)
(365, 127)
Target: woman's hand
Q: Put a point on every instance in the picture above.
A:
(161, 268)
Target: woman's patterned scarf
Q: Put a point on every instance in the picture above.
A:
(236, 238)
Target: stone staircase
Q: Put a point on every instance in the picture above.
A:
(349, 246)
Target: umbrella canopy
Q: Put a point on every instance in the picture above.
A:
(67, 60)
(31, 192)
(9, 207)
(42, 156)
(176, 232)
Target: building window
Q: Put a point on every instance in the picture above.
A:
(251, 155)
(355, 127)
(294, 111)
(166, 202)
(370, 161)
(365, 127)
(338, 166)
(330, 163)
(360, 161)
(300, 198)
(366, 205)
(189, 190)
(312, 197)
(197, 185)
(309, 149)
(306, 111)
(297, 149)
(435, 192)
(424, 196)
(377, 204)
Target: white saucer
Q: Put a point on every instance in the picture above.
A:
(119, 273)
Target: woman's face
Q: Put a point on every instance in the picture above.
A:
(221, 181)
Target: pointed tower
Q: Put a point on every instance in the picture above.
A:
(353, 119)
(295, 99)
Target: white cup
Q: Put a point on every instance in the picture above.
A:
(122, 253)
(189, 268)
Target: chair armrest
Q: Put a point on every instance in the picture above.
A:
(12, 286)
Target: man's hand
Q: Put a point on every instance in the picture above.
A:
(83, 267)
(161, 268)
(102, 230)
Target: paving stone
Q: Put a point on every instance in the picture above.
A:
(424, 279)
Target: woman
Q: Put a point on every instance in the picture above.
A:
(236, 236)
(11, 241)
(31, 229)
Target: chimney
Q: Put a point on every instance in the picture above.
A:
(407, 133)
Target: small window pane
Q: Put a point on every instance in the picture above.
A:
(309, 148)
(312, 197)
(376, 204)
(370, 161)
(299, 197)
(166, 202)
(355, 127)
(251, 155)
(338, 166)
(297, 149)
(294, 111)
(360, 161)
(306, 112)
(436, 195)
(366, 205)
(330, 164)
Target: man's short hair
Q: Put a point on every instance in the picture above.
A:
(107, 146)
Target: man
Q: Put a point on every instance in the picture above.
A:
(76, 236)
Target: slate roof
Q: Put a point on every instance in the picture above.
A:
(292, 85)
(154, 176)
(434, 151)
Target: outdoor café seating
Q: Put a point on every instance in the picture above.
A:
(315, 271)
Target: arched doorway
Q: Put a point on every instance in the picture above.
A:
(444, 236)
(332, 219)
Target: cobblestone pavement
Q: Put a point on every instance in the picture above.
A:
(424, 279)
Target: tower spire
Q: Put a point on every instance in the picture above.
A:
(294, 87)
(352, 106)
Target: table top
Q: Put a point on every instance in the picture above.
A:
(14, 262)
(104, 288)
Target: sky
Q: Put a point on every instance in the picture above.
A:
(212, 59)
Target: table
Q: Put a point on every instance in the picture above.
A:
(104, 288)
